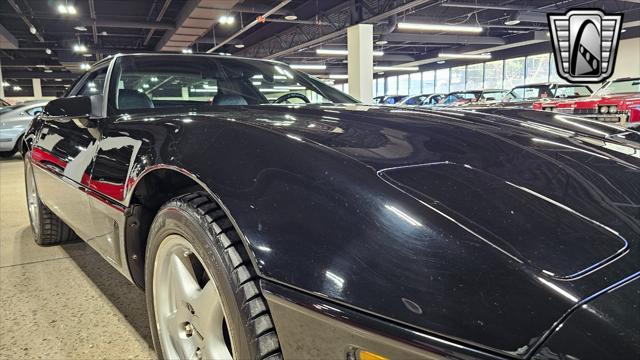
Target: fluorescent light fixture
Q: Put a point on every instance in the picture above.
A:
(464, 56)
(291, 17)
(153, 79)
(440, 27)
(338, 76)
(271, 90)
(79, 48)
(187, 51)
(441, 61)
(33, 30)
(145, 86)
(239, 46)
(257, 76)
(67, 9)
(58, 79)
(84, 66)
(48, 51)
(5, 84)
(256, 83)
(17, 88)
(382, 42)
(341, 52)
(80, 28)
(48, 70)
(396, 68)
(308, 66)
(226, 20)
(512, 22)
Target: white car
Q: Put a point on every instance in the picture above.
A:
(14, 120)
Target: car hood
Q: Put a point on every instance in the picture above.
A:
(487, 226)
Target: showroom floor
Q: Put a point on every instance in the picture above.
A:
(61, 302)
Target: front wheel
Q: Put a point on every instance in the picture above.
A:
(203, 295)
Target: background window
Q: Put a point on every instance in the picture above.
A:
(537, 69)
(513, 72)
(403, 84)
(553, 71)
(457, 79)
(415, 84)
(428, 82)
(493, 75)
(379, 86)
(442, 80)
(474, 77)
(392, 85)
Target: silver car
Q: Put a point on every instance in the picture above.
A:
(14, 120)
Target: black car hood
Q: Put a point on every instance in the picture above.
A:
(485, 226)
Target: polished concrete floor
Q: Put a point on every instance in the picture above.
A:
(61, 302)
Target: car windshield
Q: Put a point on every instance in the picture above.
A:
(531, 92)
(168, 81)
(619, 87)
(572, 91)
(492, 95)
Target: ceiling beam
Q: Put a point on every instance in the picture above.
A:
(342, 32)
(25, 74)
(443, 39)
(7, 40)
(127, 24)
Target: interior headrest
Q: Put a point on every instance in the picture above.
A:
(229, 100)
(133, 99)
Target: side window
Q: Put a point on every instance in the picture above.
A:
(94, 83)
(34, 111)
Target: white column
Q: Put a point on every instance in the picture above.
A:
(1, 82)
(37, 88)
(185, 93)
(360, 62)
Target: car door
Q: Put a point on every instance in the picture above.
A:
(63, 152)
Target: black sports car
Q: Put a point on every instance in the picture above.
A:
(334, 230)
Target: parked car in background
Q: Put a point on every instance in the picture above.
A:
(14, 121)
(421, 100)
(458, 98)
(526, 95)
(613, 102)
(388, 99)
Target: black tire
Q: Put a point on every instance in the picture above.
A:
(202, 222)
(49, 230)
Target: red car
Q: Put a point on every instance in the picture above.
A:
(616, 101)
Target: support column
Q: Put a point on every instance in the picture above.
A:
(360, 62)
(1, 82)
(37, 88)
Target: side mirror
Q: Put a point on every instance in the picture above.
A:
(81, 108)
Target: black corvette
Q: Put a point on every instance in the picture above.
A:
(268, 215)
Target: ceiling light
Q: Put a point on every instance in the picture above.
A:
(239, 46)
(308, 66)
(338, 76)
(441, 62)
(84, 66)
(104, 33)
(291, 17)
(58, 79)
(341, 52)
(5, 84)
(48, 51)
(623, 30)
(79, 48)
(227, 20)
(48, 70)
(511, 22)
(87, 55)
(153, 79)
(146, 86)
(382, 42)
(396, 68)
(33, 30)
(67, 9)
(17, 88)
(439, 27)
(187, 51)
(80, 28)
(465, 56)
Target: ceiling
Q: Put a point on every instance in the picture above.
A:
(37, 41)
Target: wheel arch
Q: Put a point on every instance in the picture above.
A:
(153, 188)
